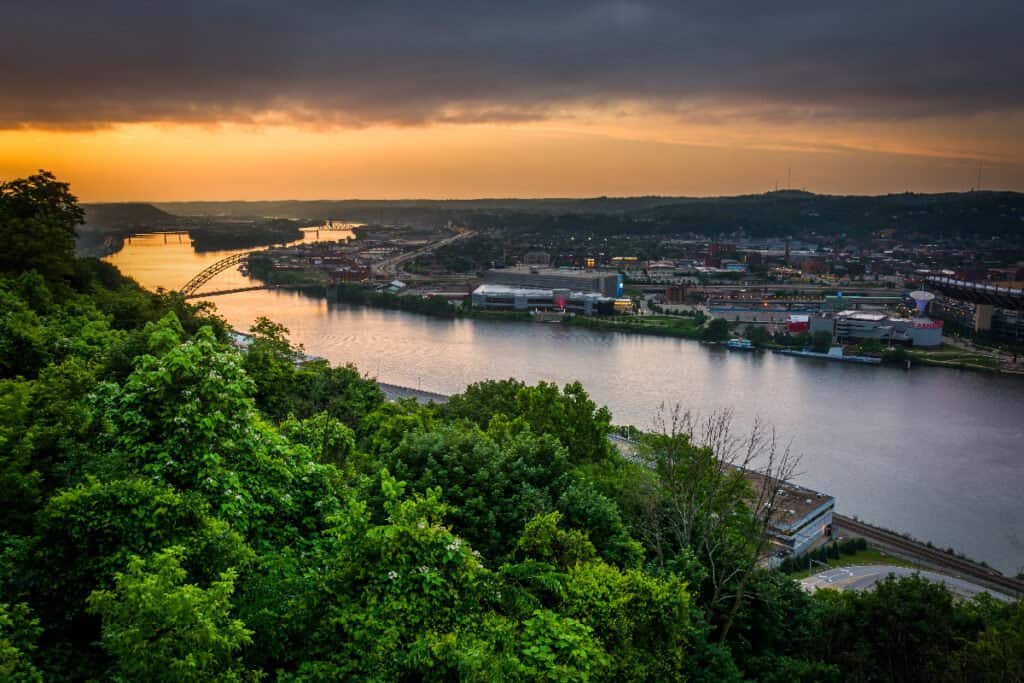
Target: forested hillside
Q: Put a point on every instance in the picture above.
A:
(175, 509)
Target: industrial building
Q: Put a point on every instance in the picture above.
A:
(800, 516)
(605, 283)
(504, 298)
(855, 326)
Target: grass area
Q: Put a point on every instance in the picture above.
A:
(659, 325)
(862, 557)
(954, 357)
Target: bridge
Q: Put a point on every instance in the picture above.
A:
(387, 266)
(251, 288)
(212, 271)
(978, 292)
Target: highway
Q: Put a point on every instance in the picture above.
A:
(389, 266)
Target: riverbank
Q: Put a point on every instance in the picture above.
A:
(679, 327)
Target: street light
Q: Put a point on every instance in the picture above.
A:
(811, 561)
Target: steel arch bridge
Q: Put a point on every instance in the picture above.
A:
(213, 271)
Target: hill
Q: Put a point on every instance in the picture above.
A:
(126, 215)
(785, 212)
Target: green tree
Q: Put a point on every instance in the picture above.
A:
(568, 414)
(158, 627)
(543, 540)
(495, 481)
(821, 341)
(19, 635)
(998, 652)
(38, 216)
(758, 335)
(716, 331)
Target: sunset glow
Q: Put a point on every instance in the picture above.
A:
(453, 101)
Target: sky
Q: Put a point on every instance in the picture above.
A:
(259, 99)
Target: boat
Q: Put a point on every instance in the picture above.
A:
(740, 345)
(548, 316)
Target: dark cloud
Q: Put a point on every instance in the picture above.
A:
(85, 64)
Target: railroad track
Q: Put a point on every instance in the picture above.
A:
(939, 558)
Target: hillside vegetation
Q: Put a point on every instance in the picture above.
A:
(175, 509)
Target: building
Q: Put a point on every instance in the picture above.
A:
(1007, 324)
(857, 301)
(800, 516)
(504, 298)
(857, 326)
(607, 284)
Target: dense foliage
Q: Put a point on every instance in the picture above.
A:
(179, 509)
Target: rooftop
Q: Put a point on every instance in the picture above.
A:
(507, 290)
(561, 272)
(794, 504)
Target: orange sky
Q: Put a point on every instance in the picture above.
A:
(616, 151)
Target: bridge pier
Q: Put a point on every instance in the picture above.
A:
(983, 317)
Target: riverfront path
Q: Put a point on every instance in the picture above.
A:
(863, 577)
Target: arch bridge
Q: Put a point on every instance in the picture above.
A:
(213, 271)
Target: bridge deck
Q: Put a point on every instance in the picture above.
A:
(979, 292)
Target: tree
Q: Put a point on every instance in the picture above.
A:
(286, 386)
(641, 621)
(998, 652)
(821, 341)
(19, 633)
(38, 216)
(716, 331)
(906, 629)
(160, 628)
(758, 335)
(710, 504)
(568, 414)
(495, 481)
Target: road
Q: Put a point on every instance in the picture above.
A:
(390, 265)
(864, 577)
(924, 554)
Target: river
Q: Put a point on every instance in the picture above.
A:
(934, 452)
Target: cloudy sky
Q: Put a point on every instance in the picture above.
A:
(258, 99)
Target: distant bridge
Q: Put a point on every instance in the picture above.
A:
(213, 271)
(978, 292)
(251, 288)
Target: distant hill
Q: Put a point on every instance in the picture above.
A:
(784, 212)
(126, 215)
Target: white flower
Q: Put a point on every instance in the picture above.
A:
(424, 570)
(392, 575)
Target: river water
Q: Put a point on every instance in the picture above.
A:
(933, 452)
